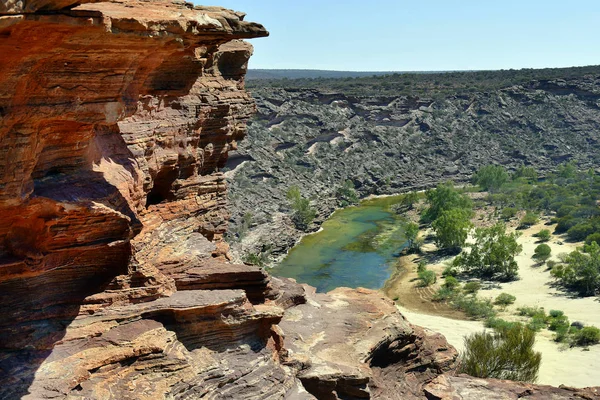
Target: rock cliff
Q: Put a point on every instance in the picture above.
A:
(115, 281)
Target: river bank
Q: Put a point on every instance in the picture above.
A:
(560, 365)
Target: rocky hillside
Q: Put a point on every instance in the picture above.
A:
(316, 134)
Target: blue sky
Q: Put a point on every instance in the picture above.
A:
(416, 35)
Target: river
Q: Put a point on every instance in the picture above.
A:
(357, 247)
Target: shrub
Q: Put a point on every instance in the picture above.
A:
(346, 194)
(556, 313)
(543, 235)
(505, 354)
(304, 214)
(451, 282)
(586, 336)
(580, 231)
(472, 287)
(531, 311)
(499, 324)
(542, 252)
(508, 213)
(427, 278)
(504, 299)
(473, 307)
(421, 266)
(411, 231)
(491, 177)
(594, 237)
(449, 271)
(580, 271)
(444, 294)
(528, 220)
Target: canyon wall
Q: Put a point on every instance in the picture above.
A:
(318, 134)
(115, 281)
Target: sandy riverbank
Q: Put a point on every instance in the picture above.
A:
(569, 366)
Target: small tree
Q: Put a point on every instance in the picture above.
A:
(528, 220)
(304, 214)
(445, 197)
(346, 194)
(492, 255)
(411, 231)
(504, 354)
(491, 177)
(580, 271)
(452, 228)
(542, 253)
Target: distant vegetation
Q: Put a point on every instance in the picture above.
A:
(303, 213)
(417, 84)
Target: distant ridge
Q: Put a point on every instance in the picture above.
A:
(319, 73)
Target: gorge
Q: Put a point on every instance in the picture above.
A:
(117, 117)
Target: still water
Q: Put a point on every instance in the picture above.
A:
(357, 246)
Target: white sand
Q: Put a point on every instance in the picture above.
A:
(560, 365)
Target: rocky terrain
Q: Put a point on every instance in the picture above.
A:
(316, 134)
(115, 280)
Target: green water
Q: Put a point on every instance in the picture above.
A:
(356, 247)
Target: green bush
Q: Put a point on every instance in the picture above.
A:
(586, 336)
(346, 194)
(531, 311)
(444, 294)
(508, 213)
(426, 278)
(542, 252)
(472, 287)
(556, 313)
(499, 324)
(421, 265)
(451, 282)
(528, 220)
(411, 231)
(491, 177)
(537, 323)
(445, 197)
(303, 214)
(504, 299)
(473, 307)
(580, 271)
(449, 271)
(594, 237)
(505, 354)
(544, 235)
(580, 231)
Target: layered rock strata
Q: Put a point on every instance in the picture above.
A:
(115, 282)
